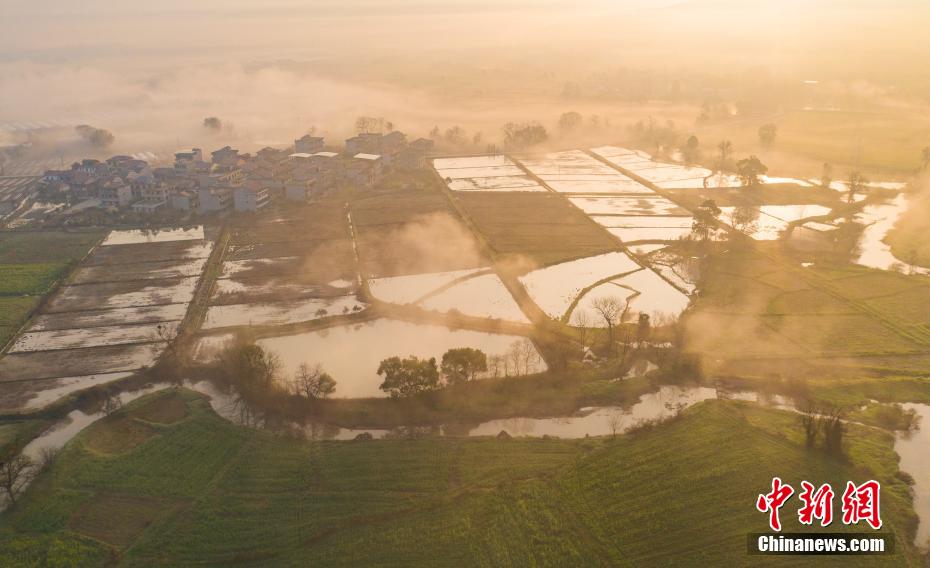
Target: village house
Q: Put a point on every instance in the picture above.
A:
(308, 144)
(226, 156)
(366, 169)
(251, 198)
(214, 200)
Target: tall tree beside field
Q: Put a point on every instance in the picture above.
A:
(857, 183)
(570, 121)
(826, 175)
(408, 376)
(15, 473)
(705, 220)
(612, 310)
(767, 134)
(749, 170)
(691, 150)
(518, 136)
(582, 322)
(463, 364)
(725, 150)
(213, 123)
(249, 366)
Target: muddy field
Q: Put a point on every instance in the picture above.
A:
(154, 252)
(123, 294)
(139, 271)
(90, 361)
(97, 318)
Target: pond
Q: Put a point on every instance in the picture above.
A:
(351, 354)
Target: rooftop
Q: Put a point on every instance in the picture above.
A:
(367, 156)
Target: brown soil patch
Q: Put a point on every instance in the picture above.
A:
(116, 435)
(117, 519)
(167, 409)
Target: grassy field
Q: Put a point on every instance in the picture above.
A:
(884, 142)
(182, 486)
(541, 228)
(30, 263)
(764, 304)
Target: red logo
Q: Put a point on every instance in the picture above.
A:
(859, 502)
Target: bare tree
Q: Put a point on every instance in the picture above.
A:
(582, 322)
(612, 311)
(615, 422)
(857, 183)
(15, 473)
(313, 382)
(496, 365)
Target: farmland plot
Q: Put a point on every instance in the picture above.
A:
(279, 313)
(574, 171)
(484, 173)
(537, 227)
(121, 307)
(555, 288)
(483, 296)
(287, 270)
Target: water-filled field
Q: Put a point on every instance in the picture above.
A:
(352, 353)
(494, 172)
(555, 287)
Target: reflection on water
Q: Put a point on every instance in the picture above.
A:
(601, 421)
(878, 220)
(555, 287)
(352, 353)
(914, 450)
(143, 236)
(482, 296)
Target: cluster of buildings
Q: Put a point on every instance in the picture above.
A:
(229, 181)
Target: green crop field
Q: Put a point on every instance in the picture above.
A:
(30, 264)
(186, 487)
(541, 228)
(28, 278)
(764, 304)
(886, 141)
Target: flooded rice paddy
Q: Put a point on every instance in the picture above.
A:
(114, 317)
(352, 353)
(94, 337)
(483, 296)
(409, 289)
(640, 205)
(279, 313)
(145, 236)
(484, 173)
(555, 287)
(574, 171)
(24, 396)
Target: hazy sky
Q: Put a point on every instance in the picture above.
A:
(152, 70)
